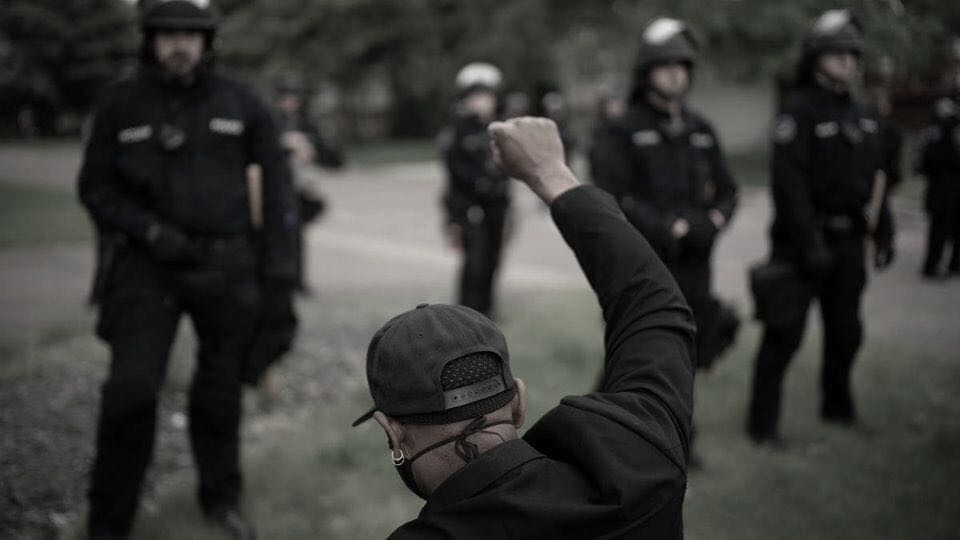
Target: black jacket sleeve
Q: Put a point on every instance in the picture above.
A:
(648, 365)
(112, 203)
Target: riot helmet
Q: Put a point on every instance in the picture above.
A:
(835, 30)
(189, 15)
(664, 40)
(177, 15)
(289, 82)
(478, 76)
(667, 40)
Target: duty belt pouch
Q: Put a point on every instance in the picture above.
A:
(779, 292)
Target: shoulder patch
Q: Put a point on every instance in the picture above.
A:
(226, 126)
(784, 129)
(869, 125)
(646, 137)
(944, 108)
(932, 133)
(134, 134)
(701, 140)
(826, 129)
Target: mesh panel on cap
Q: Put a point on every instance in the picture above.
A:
(461, 372)
(468, 370)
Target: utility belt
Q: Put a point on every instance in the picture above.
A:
(211, 246)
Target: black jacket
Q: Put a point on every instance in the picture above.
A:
(940, 155)
(198, 182)
(826, 152)
(658, 177)
(472, 178)
(609, 464)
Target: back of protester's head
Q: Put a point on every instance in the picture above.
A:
(438, 364)
(663, 41)
(834, 31)
(190, 15)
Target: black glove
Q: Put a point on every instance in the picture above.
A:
(276, 329)
(277, 303)
(699, 239)
(170, 246)
(816, 261)
(883, 255)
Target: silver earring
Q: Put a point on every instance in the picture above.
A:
(398, 460)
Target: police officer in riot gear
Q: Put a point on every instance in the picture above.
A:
(164, 169)
(940, 163)
(663, 163)
(476, 198)
(827, 195)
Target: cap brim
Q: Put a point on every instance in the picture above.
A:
(366, 416)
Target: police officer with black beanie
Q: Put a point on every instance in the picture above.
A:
(165, 172)
(828, 199)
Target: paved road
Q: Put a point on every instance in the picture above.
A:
(383, 227)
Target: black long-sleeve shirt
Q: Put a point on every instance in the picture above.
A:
(609, 464)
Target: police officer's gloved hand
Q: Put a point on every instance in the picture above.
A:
(277, 303)
(816, 261)
(702, 233)
(883, 255)
(276, 329)
(170, 246)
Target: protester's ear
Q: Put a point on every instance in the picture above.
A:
(393, 429)
(519, 408)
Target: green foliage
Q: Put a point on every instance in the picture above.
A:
(57, 56)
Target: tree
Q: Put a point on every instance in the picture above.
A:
(57, 56)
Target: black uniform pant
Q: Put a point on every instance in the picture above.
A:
(139, 319)
(839, 295)
(694, 277)
(482, 239)
(943, 222)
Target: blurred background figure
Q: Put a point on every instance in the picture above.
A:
(516, 104)
(309, 155)
(164, 177)
(826, 169)
(610, 106)
(477, 195)
(940, 164)
(554, 107)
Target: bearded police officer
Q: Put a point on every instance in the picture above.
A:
(164, 170)
(827, 195)
(663, 163)
(476, 198)
(609, 464)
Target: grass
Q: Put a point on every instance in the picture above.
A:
(37, 215)
(392, 151)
